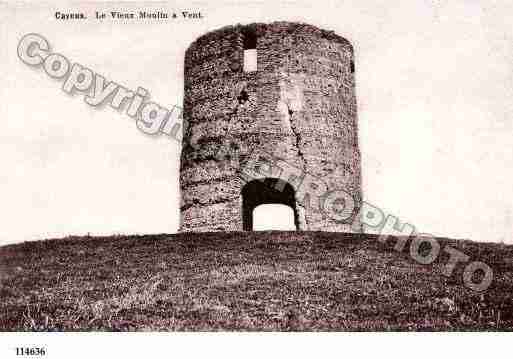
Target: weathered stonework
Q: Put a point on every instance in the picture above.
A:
(299, 107)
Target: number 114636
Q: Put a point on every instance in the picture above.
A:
(30, 351)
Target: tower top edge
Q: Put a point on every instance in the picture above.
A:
(260, 27)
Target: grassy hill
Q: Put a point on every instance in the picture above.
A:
(246, 281)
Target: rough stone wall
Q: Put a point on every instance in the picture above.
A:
(299, 106)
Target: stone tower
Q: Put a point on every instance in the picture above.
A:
(271, 118)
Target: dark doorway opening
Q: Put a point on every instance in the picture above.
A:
(266, 191)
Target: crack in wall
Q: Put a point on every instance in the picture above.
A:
(242, 98)
(209, 181)
(296, 134)
(289, 117)
(197, 202)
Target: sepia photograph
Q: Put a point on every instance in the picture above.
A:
(237, 170)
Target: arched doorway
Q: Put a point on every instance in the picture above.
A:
(266, 191)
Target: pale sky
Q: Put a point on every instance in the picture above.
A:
(434, 83)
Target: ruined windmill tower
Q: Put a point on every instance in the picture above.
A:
(271, 114)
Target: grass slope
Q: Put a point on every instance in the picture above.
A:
(245, 281)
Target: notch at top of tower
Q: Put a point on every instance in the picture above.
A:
(249, 38)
